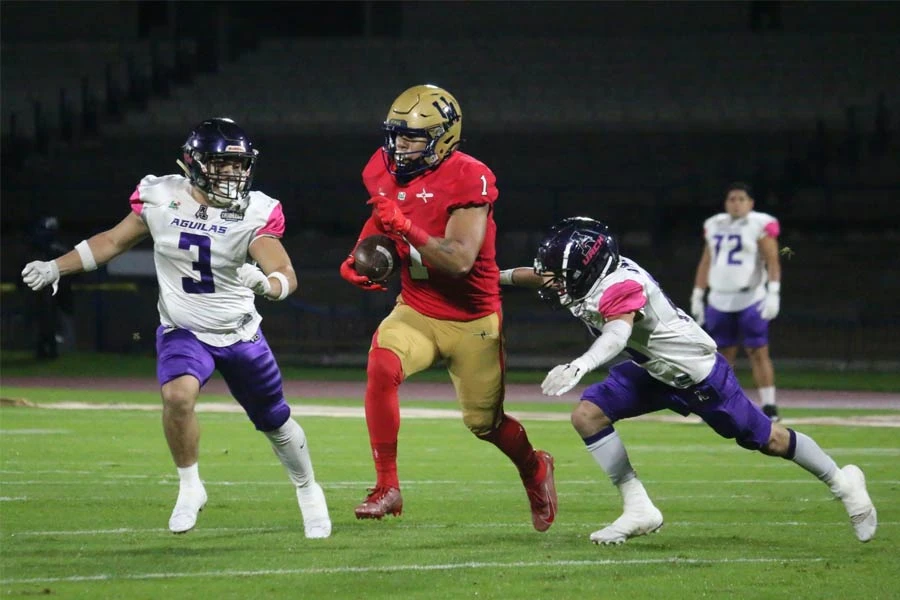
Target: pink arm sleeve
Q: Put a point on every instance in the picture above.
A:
(137, 205)
(623, 297)
(772, 229)
(275, 225)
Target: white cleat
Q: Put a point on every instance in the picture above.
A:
(316, 522)
(858, 504)
(191, 501)
(633, 523)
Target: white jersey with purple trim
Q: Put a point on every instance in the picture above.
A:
(664, 340)
(197, 250)
(737, 272)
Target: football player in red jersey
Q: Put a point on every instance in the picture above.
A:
(437, 202)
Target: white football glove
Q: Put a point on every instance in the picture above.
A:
(698, 311)
(772, 303)
(39, 274)
(252, 277)
(563, 378)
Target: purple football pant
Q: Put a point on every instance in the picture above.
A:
(249, 369)
(744, 327)
(630, 391)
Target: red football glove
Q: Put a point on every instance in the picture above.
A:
(360, 281)
(393, 220)
(388, 212)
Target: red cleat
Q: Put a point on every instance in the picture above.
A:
(382, 501)
(542, 494)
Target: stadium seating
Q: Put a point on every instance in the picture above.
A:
(644, 82)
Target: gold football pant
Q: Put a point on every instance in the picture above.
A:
(473, 351)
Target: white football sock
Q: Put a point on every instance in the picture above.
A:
(610, 454)
(289, 444)
(767, 395)
(811, 457)
(189, 476)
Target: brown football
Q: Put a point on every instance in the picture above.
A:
(376, 257)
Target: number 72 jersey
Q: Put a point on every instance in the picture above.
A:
(197, 250)
(736, 264)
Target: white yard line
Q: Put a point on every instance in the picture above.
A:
(357, 412)
(675, 561)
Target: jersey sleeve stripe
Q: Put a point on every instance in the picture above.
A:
(137, 205)
(621, 298)
(274, 227)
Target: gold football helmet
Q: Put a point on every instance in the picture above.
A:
(422, 111)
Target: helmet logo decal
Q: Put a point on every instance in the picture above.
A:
(585, 245)
(448, 111)
(593, 250)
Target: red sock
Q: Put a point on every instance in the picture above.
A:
(385, 374)
(512, 440)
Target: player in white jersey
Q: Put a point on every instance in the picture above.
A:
(206, 226)
(740, 265)
(674, 365)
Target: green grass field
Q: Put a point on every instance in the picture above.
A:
(86, 496)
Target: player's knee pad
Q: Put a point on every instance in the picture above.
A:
(384, 368)
(480, 423)
(271, 417)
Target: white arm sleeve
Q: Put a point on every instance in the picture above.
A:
(613, 337)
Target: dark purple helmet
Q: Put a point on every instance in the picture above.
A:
(576, 253)
(219, 159)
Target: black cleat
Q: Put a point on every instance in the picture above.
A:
(771, 411)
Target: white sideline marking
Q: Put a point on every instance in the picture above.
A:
(358, 412)
(401, 568)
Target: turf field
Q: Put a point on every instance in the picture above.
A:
(85, 496)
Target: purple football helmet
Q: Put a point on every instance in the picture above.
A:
(576, 253)
(219, 158)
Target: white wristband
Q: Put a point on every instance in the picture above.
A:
(285, 288)
(774, 287)
(506, 277)
(88, 263)
(697, 294)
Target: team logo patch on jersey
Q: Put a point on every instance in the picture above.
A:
(174, 204)
(232, 215)
(400, 196)
(202, 212)
(424, 195)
